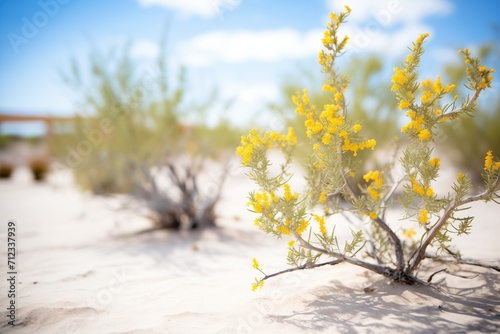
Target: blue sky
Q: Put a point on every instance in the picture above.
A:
(245, 48)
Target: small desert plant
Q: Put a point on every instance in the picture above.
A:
(39, 168)
(6, 170)
(393, 249)
(177, 201)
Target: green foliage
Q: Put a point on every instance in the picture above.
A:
(334, 140)
(135, 139)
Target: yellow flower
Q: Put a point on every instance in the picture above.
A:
(435, 162)
(449, 88)
(460, 176)
(409, 233)
(422, 218)
(326, 138)
(257, 285)
(302, 227)
(488, 161)
(356, 128)
(288, 192)
(429, 192)
(426, 97)
(400, 76)
(338, 97)
(291, 243)
(321, 222)
(424, 135)
(283, 229)
(437, 87)
(404, 104)
(322, 197)
(255, 263)
(347, 8)
(421, 38)
(372, 215)
(417, 187)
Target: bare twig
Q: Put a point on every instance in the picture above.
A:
(437, 272)
(302, 267)
(469, 262)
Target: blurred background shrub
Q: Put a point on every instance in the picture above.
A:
(39, 168)
(137, 124)
(468, 139)
(6, 170)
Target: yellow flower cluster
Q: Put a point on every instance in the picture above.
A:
(331, 42)
(420, 190)
(423, 216)
(416, 126)
(260, 202)
(255, 264)
(253, 141)
(288, 196)
(403, 79)
(263, 200)
(489, 165)
(409, 233)
(435, 162)
(356, 128)
(355, 147)
(376, 185)
(481, 75)
(325, 60)
(301, 102)
(322, 224)
(304, 224)
(259, 284)
(322, 197)
(372, 215)
(434, 90)
(248, 143)
(283, 229)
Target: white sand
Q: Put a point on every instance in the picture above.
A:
(82, 271)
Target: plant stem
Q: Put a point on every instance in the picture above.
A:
(419, 253)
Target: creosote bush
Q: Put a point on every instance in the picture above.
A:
(308, 217)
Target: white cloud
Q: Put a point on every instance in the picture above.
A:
(203, 8)
(391, 12)
(388, 26)
(251, 92)
(246, 45)
(145, 49)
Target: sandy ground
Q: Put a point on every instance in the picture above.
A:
(82, 269)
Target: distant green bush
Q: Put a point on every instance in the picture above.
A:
(135, 134)
(482, 130)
